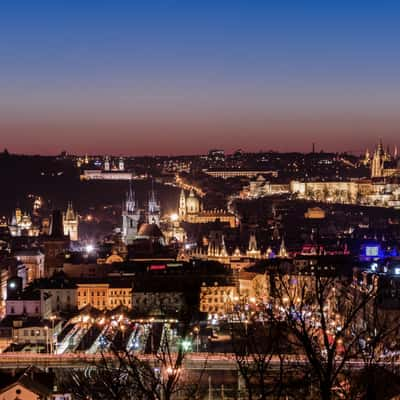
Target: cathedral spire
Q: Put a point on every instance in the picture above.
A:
(130, 204)
(282, 250)
(253, 242)
(223, 252)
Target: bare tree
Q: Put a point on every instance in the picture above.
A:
(260, 349)
(332, 324)
(122, 374)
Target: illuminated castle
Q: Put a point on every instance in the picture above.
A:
(383, 164)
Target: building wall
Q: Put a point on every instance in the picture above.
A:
(31, 308)
(61, 299)
(148, 302)
(34, 265)
(217, 299)
(119, 296)
(19, 392)
(102, 296)
(96, 295)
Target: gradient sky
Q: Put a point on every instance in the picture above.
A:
(170, 77)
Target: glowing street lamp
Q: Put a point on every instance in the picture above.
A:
(174, 217)
(89, 248)
(186, 345)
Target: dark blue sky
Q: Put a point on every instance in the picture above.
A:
(147, 77)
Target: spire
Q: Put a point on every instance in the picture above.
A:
(223, 252)
(182, 205)
(282, 250)
(237, 252)
(152, 198)
(130, 204)
(380, 147)
(253, 242)
(70, 214)
(268, 253)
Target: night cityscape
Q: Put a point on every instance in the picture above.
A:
(199, 200)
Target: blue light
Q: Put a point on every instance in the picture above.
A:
(372, 251)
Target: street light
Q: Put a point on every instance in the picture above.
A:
(196, 331)
(186, 345)
(46, 329)
(52, 319)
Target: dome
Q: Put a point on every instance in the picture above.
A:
(192, 203)
(150, 230)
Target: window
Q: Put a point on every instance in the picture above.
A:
(12, 310)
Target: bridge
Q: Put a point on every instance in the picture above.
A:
(192, 361)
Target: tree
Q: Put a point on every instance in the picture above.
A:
(332, 322)
(260, 349)
(123, 374)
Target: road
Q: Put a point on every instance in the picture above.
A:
(193, 361)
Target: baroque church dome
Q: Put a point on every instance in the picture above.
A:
(192, 203)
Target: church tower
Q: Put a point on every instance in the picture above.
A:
(130, 217)
(154, 210)
(282, 250)
(121, 165)
(70, 223)
(107, 164)
(252, 250)
(378, 160)
(182, 206)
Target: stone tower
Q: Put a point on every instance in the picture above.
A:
(182, 206)
(130, 217)
(378, 160)
(71, 223)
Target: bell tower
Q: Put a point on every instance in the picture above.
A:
(70, 222)
(130, 217)
(182, 206)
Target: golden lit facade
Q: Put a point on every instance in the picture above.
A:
(191, 210)
(103, 296)
(21, 224)
(218, 299)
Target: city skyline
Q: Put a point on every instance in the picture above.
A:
(174, 77)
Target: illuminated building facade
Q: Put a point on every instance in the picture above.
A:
(21, 224)
(104, 296)
(191, 210)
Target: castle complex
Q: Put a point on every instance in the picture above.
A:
(381, 189)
